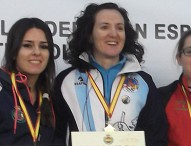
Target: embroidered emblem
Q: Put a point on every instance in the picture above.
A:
(126, 99)
(20, 116)
(131, 84)
(181, 105)
(108, 139)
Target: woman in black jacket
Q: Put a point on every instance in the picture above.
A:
(26, 80)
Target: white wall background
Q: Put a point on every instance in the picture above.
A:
(159, 59)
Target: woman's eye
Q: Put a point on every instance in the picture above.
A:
(104, 27)
(120, 28)
(27, 45)
(44, 46)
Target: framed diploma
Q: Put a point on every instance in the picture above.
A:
(117, 138)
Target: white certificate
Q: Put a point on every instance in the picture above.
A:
(117, 138)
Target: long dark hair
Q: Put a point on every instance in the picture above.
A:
(46, 78)
(80, 39)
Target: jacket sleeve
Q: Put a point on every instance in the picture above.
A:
(60, 115)
(167, 91)
(64, 118)
(152, 119)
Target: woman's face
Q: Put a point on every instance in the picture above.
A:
(185, 60)
(108, 34)
(33, 55)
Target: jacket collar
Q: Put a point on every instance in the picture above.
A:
(131, 64)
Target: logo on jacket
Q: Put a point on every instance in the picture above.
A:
(80, 81)
(131, 84)
(181, 105)
(19, 114)
(125, 99)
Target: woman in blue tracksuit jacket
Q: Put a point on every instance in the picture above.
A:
(105, 84)
(26, 79)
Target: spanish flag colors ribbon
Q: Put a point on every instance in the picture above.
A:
(33, 130)
(187, 101)
(108, 109)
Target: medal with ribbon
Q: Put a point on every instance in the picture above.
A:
(34, 130)
(108, 109)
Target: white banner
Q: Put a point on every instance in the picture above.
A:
(159, 24)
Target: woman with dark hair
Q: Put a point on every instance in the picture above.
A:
(177, 97)
(105, 85)
(26, 80)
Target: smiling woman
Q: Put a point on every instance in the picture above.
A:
(108, 36)
(105, 85)
(26, 80)
(33, 55)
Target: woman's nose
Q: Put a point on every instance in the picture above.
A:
(113, 32)
(36, 50)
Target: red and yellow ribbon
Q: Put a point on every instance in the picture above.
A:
(108, 109)
(33, 130)
(187, 101)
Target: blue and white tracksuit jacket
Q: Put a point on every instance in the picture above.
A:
(77, 107)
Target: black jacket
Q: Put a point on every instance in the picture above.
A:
(22, 136)
(167, 91)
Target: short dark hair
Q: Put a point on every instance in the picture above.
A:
(80, 38)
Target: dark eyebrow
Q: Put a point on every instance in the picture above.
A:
(27, 41)
(42, 42)
(120, 24)
(106, 23)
